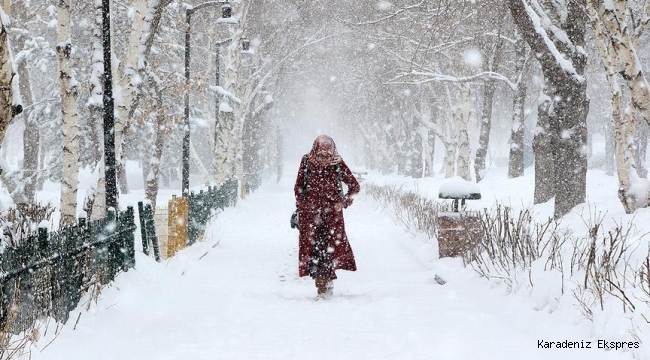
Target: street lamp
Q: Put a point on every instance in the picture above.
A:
(226, 12)
(109, 106)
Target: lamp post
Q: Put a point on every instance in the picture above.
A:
(109, 108)
(226, 12)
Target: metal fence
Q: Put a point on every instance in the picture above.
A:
(47, 274)
(204, 204)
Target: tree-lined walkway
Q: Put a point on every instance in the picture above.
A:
(236, 296)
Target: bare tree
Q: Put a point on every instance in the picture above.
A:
(7, 107)
(516, 161)
(558, 43)
(617, 43)
(69, 130)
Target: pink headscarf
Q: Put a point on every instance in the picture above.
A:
(324, 144)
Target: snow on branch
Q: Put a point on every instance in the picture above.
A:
(223, 92)
(427, 77)
(390, 16)
(539, 23)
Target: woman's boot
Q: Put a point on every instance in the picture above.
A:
(321, 286)
(329, 288)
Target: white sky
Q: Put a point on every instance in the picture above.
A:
(236, 295)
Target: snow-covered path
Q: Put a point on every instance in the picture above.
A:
(236, 295)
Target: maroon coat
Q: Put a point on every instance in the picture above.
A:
(316, 210)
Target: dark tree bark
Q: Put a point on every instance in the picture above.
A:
(543, 149)
(486, 126)
(486, 111)
(568, 120)
(516, 156)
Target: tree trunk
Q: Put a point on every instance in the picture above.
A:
(7, 109)
(99, 203)
(543, 150)
(486, 111)
(161, 131)
(451, 144)
(615, 24)
(462, 123)
(128, 85)
(31, 136)
(516, 160)
(568, 122)
(95, 109)
(623, 124)
(417, 152)
(152, 178)
(609, 148)
(641, 149)
(486, 126)
(70, 117)
(228, 158)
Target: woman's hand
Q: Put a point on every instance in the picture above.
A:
(338, 206)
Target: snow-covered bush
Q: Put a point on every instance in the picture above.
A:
(23, 220)
(605, 273)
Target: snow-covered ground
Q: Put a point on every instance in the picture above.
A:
(236, 295)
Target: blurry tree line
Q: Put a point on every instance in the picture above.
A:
(471, 75)
(476, 75)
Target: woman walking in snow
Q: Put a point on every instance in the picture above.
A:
(323, 244)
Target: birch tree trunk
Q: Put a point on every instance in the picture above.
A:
(95, 109)
(623, 124)
(227, 159)
(486, 126)
(128, 80)
(516, 161)
(7, 109)
(417, 151)
(641, 148)
(99, 203)
(31, 136)
(615, 24)
(462, 123)
(427, 134)
(152, 178)
(146, 21)
(429, 153)
(70, 116)
(609, 148)
(449, 139)
(95, 100)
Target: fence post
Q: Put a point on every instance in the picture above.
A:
(143, 229)
(178, 226)
(129, 239)
(42, 238)
(192, 213)
(150, 229)
(108, 248)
